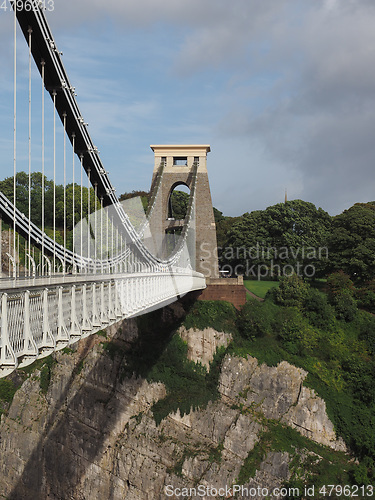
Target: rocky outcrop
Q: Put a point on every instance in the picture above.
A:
(93, 435)
(277, 392)
(202, 345)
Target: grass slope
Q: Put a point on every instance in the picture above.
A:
(260, 288)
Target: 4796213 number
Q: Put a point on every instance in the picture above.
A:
(336, 490)
(28, 5)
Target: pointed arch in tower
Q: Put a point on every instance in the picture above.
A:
(178, 162)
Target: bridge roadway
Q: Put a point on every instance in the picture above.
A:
(10, 285)
(43, 314)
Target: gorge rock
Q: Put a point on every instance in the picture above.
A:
(202, 345)
(93, 435)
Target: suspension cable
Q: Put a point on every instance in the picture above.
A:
(73, 199)
(117, 251)
(101, 231)
(29, 231)
(14, 137)
(81, 210)
(64, 193)
(54, 180)
(107, 240)
(88, 213)
(1, 245)
(43, 159)
(112, 241)
(96, 224)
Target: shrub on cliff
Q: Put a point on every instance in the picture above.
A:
(217, 314)
(295, 333)
(337, 283)
(254, 320)
(291, 292)
(317, 310)
(367, 331)
(340, 291)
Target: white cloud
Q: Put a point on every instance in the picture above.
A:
(317, 118)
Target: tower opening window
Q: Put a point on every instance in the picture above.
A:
(180, 161)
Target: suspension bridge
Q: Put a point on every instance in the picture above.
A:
(119, 264)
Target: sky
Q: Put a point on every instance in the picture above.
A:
(282, 90)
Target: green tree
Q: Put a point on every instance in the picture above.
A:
(94, 204)
(218, 216)
(254, 320)
(341, 295)
(22, 189)
(366, 296)
(36, 178)
(295, 333)
(317, 310)
(339, 282)
(179, 202)
(223, 227)
(293, 233)
(144, 195)
(292, 291)
(352, 242)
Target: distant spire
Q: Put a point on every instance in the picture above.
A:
(286, 197)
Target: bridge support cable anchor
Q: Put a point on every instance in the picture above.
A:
(86, 323)
(96, 323)
(49, 342)
(117, 291)
(62, 263)
(103, 306)
(49, 265)
(13, 262)
(75, 328)
(122, 293)
(63, 336)
(8, 359)
(111, 302)
(30, 352)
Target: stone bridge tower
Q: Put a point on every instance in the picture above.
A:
(178, 163)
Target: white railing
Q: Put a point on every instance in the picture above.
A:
(39, 320)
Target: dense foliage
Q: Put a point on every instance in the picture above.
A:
(285, 234)
(178, 204)
(217, 314)
(293, 234)
(332, 339)
(143, 195)
(352, 242)
(22, 197)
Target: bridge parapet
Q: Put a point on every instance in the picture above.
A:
(40, 319)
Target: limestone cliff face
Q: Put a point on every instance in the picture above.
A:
(93, 436)
(202, 345)
(278, 393)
